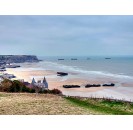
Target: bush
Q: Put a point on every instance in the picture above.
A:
(17, 86)
(30, 90)
(45, 91)
(53, 91)
(56, 91)
(14, 86)
(6, 85)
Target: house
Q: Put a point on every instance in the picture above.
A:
(43, 85)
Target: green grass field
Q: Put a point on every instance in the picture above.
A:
(49, 104)
(103, 106)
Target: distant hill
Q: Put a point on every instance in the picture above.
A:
(18, 58)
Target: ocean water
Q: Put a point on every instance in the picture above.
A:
(116, 68)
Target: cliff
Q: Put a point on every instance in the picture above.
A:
(18, 58)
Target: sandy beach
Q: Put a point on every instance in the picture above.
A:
(120, 91)
(53, 80)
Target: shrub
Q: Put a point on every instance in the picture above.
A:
(56, 91)
(53, 91)
(44, 91)
(14, 86)
(17, 86)
(6, 85)
(31, 90)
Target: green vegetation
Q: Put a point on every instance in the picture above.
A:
(103, 106)
(4, 95)
(51, 104)
(17, 86)
(48, 102)
(14, 86)
(53, 91)
(38, 104)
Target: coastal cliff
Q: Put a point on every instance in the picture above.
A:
(18, 58)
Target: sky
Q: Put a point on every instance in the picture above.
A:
(47, 35)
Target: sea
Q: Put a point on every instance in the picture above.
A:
(115, 68)
(110, 69)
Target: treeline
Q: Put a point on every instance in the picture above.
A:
(14, 86)
(17, 86)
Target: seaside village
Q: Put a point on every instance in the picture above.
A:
(41, 84)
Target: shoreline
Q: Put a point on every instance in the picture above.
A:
(121, 90)
(55, 81)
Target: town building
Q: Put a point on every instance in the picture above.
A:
(43, 85)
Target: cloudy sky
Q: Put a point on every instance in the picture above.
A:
(66, 35)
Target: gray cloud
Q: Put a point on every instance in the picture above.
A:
(66, 35)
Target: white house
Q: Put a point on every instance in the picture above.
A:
(43, 85)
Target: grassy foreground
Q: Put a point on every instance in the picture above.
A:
(48, 104)
(103, 106)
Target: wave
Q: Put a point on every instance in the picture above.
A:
(62, 67)
(55, 66)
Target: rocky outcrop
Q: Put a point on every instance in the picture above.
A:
(18, 58)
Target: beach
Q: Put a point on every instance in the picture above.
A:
(118, 92)
(122, 91)
(53, 80)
